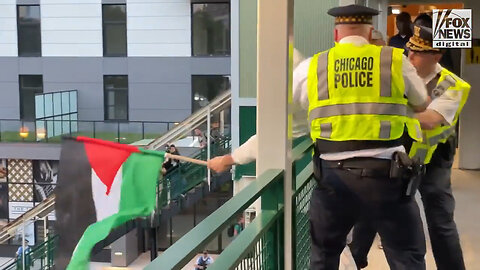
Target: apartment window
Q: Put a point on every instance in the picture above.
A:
(207, 87)
(28, 25)
(210, 29)
(114, 30)
(116, 97)
(29, 86)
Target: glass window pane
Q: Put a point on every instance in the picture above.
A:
(211, 29)
(29, 86)
(50, 128)
(41, 130)
(111, 113)
(114, 30)
(66, 124)
(57, 127)
(48, 105)
(114, 38)
(73, 123)
(73, 101)
(121, 101)
(65, 102)
(39, 110)
(29, 37)
(116, 97)
(111, 98)
(57, 103)
(207, 88)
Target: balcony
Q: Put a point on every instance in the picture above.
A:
(51, 131)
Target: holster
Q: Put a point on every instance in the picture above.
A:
(408, 170)
(317, 165)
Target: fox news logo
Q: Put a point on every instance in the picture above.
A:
(452, 28)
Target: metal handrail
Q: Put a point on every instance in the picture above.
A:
(120, 131)
(8, 263)
(39, 211)
(268, 186)
(182, 129)
(90, 121)
(192, 122)
(186, 247)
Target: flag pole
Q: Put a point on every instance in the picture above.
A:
(187, 159)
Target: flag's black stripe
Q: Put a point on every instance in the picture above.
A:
(74, 204)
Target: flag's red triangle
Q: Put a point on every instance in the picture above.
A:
(106, 158)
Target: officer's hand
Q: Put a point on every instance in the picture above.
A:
(220, 164)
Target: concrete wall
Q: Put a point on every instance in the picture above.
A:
(74, 27)
(36, 151)
(159, 65)
(159, 27)
(71, 27)
(8, 28)
(469, 123)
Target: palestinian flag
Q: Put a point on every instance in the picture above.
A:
(101, 185)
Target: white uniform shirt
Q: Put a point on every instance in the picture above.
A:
(446, 104)
(414, 89)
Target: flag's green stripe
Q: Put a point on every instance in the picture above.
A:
(138, 197)
(153, 152)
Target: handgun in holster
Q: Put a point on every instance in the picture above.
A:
(408, 170)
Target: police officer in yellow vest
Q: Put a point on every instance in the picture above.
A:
(449, 94)
(358, 97)
(437, 150)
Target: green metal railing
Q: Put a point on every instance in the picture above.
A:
(40, 257)
(260, 245)
(52, 131)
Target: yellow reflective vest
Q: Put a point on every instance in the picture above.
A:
(457, 89)
(356, 93)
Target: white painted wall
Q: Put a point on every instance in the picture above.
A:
(8, 28)
(380, 21)
(71, 28)
(469, 157)
(159, 27)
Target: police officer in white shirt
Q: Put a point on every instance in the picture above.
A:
(435, 187)
(333, 216)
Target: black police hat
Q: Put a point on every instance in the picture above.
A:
(353, 14)
(422, 40)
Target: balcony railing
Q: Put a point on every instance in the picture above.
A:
(51, 131)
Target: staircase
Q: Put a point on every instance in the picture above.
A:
(178, 190)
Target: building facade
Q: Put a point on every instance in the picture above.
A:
(134, 60)
(133, 64)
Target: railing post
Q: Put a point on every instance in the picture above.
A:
(23, 244)
(208, 143)
(35, 129)
(153, 242)
(273, 127)
(221, 125)
(118, 132)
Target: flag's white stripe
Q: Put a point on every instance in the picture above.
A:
(106, 206)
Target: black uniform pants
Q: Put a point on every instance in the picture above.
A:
(344, 197)
(439, 204)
